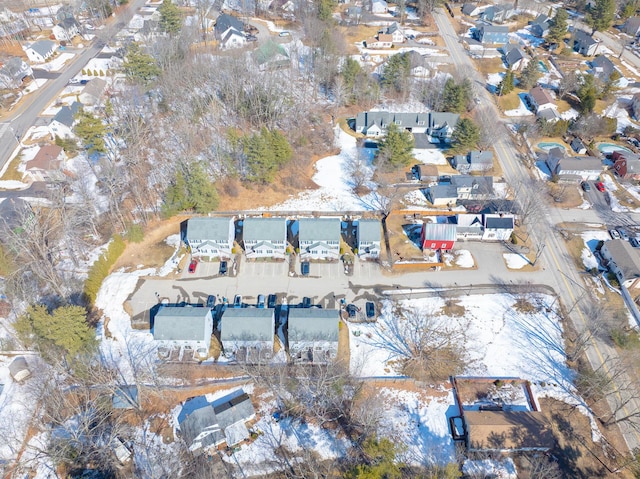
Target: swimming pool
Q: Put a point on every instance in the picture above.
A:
(548, 145)
(607, 148)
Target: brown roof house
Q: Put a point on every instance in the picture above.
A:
(543, 103)
(383, 40)
(507, 431)
(46, 165)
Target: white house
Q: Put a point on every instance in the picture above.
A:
(541, 99)
(369, 234)
(319, 238)
(265, 237)
(40, 51)
(379, 6)
(183, 327)
(92, 92)
(381, 41)
(66, 29)
(623, 261)
(13, 71)
(312, 334)
(63, 121)
(210, 237)
(498, 227)
(46, 165)
(397, 35)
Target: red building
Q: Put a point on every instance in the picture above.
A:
(626, 165)
(438, 236)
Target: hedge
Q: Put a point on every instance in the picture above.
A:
(100, 269)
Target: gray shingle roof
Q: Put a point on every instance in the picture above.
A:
(226, 21)
(67, 114)
(513, 57)
(312, 324)
(439, 231)
(625, 256)
(493, 222)
(233, 409)
(369, 230)
(319, 229)
(482, 183)
(265, 229)
(208, 229)
(480, 157)
(180, 323)
(247, 324)
(43, 47)
(196, 422)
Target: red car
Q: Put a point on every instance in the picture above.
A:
(600, 186)
(193, 265)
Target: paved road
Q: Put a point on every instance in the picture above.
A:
(560, 272)
(25, 116)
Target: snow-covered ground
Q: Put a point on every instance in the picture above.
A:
(57, 63)
(522, 109)
(515, 261)
(432, 156)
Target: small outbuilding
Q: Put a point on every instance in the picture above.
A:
(19, 369)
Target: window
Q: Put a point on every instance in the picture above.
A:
(420, 123)
(433, 245)
(398, 122)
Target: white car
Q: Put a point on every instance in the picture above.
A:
(285, 34)
(74, 81)
(614, 234)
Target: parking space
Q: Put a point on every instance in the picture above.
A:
(264, 268)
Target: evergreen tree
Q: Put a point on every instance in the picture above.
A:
(507, 84)
(325, 10)
(396, 149)
(396, 72)
(203, 197)
(558, 28)
(170, 20)
(380, 461)
(465, 136)
(629, 10)
(350, 71)
(65, 329)
(530, 74)
(266, 152)
(587, 93)
(601, 14)
(91, 132)
(139, 66)
(610, 86)
(456, 96)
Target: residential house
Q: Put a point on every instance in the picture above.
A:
(376, 123)
(205, 424)
(19, 369)
(584, 43)
(514, 57)
(635, 106)
(603, 68)
(382, 40)
(319, 238)
(397, 35)
(312, 334)
(474, 161)
(498, 227)
(66, 29)
(271, 56)
(631, 26)
(211, 237)
(507, 431)
(541, 99)
(379, 6)
(265, 237)
(13, 71)
(425, 173)
(183, 327)
(491, 34)
(248, 333)
(369, 234)
(40, 51)
(473, 9)
(441, 125)
(461, 187)
(438, 236)
(46, 165)
(125, 396)
(626, 165)
(442, 194)
(92, 92)
(623, 260)
(229, 31)
(578, 146)
(498, 13)
(469, 226)
(540, 26)
(567, 168)
(417, 63)
(63, 122)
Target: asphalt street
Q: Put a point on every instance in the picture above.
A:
(560, 272)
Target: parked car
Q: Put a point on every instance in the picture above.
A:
(252, 38)
(237, 301)
(600, 186)
(623, 234)
(285, 33)
(306, 302)
(370, 309)
(304, 268)
(614, 234)
(586, 186)
(193, 265)
(211, 301)
(261, 301)
(84, 81)
(352, 310)
(634, 242)
(223, 268)
(271, 301)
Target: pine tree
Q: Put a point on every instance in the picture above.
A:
(396, 149)
(558, 27)
(203, 197)
(325, 10)
(170, 20)
(465, 136)
(600, 16)
(456, 96)
(91, 132)
(139, 66)
(261, 160)
(396, 72)
(530, 74)
(587, 93)
(507, 84)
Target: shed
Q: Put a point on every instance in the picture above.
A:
(438, 236)
(19, 369)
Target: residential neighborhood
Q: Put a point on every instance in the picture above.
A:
(326, 240)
